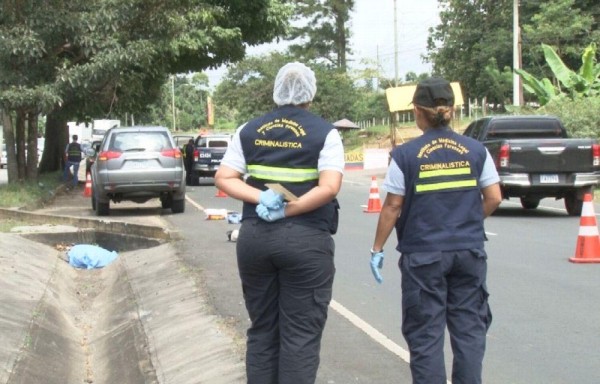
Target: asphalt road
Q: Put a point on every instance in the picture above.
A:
(545, 327)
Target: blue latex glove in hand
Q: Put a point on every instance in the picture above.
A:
(271, 199)
(270, 215)
(376, 265)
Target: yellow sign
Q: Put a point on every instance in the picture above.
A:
(353, 157)
(400, 98)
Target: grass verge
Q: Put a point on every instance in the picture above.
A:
(7, 225)
(30, 193)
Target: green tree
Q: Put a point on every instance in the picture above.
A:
(190, 93)
(247, 87)
(412, 77)
(566, 25)
(574, 96)
(497, 82)
(336, 96)
(469, 34)
(580, 116)
(102, 58)
(323, 31)
(473, 42)
(584, 82)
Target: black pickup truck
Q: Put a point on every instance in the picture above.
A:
(535, 159)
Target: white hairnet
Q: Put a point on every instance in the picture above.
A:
(295, 84)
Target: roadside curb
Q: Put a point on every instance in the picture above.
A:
(103, 225)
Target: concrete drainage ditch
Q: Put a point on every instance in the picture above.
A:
(112, 241)
(141, 319)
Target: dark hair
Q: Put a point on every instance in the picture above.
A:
(75, 137)
(440, 115)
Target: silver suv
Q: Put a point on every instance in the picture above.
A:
(138, 164)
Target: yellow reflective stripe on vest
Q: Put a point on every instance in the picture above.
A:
(445, 172)
(283, 174)
(446, 185)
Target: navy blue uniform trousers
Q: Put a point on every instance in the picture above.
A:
(439, 289)
(287, 275)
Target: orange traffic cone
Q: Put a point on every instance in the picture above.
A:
(220, 193)
(588, 241)
(374, 204)
(87, 192)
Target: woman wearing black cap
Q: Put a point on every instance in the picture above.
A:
(441, 186)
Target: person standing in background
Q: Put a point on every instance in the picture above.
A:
(285, 250)
(440, 188)
(73, 158)
(188, 155)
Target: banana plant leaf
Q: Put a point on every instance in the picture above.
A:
(543, 89)
(566, 76)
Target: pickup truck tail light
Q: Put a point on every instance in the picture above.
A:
(504, 156)
(596, 155)
(196, 155)
(108, 155)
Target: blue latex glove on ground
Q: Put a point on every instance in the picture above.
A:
(271, 199)
(270, 215)
(376, 265)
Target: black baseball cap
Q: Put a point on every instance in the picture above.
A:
(433, 92)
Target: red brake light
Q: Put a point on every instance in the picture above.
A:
(596, 155)
(504, 156)
(196, 154)
(174, 152)
(108, 155)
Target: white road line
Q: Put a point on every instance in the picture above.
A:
(377, 336)
(372, 332)
(198, 206)
(491, 233)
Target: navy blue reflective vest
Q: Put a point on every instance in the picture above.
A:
(74, 152)
(442, 209)
(283, 147)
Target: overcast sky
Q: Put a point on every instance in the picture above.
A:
(372, 26)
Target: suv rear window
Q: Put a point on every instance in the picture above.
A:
(140, 141)
(213, 142)
(217, 143)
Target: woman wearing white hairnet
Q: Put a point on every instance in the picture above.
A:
(284, 248)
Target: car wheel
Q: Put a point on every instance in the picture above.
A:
(93, 201)
(166, 201)
(573, 205)
(529, 203)
(178, 206)
(102, 209)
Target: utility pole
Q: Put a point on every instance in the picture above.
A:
(173, 101)
(396, 46)
(517, 88)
